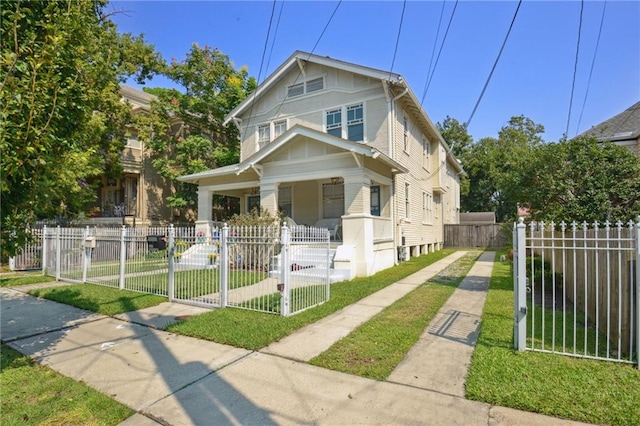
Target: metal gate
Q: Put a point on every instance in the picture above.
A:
(577, 289)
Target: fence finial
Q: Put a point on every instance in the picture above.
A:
(520, 220)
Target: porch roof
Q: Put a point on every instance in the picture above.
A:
(250, 163)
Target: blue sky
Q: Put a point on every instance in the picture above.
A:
(533, 77)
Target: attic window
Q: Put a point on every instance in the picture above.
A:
(309, 86)
(315, 85)
(296, 90)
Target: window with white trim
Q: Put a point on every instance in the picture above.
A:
(334, 122)
(279, 127)
(406, 133)
(427, 202)
(355, 123)
(375, 200)
(295, 90)
(407, 202)
(309, 86)
(426, 146)
(354, 129)
(332, 200)
(284, 201)
(264, 134)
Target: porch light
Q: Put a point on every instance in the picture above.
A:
(336, 180)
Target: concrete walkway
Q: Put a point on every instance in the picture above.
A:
(172, 379)
(440, 359)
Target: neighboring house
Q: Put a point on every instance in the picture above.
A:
(138, 195)
(622, 129)
(478, 218)
(346, 147)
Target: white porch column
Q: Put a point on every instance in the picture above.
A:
(205, 207)
(357, 224)
(269, 197)
(357, 195)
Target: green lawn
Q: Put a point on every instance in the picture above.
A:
(24, 278)
(254, 330)
(375, 348)
(32, 394)
(561, 386)
(104, 300)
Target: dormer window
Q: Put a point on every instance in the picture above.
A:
(308, 86)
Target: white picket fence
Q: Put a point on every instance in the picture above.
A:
(263, 268)
(577, 289)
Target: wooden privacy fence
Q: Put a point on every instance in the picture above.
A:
(483, 236)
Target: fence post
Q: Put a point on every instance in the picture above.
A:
(285, 271)
(58, 253)
(43, 250)
(171, 273)
(638, 291)
(224, 266)
(520, 257)
(85, 255)
(123, 256)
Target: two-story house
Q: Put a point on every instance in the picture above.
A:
(343, 146)
(138, 195)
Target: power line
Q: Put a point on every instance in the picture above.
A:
(310, 53)
(593, 61)
(275, 34)
(264, 52)
(439, 52)
(486, 84)
(393, 61)
(575, 68)
(433, 52)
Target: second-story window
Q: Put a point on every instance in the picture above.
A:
(264, 134)
(354, 129)
(334, 122)
(406, 134)
(279, 127)
(355, 123)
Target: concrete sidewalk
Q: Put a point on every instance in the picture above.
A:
(312, 340)
(172, 379)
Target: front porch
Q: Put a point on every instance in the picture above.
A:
(316, 180)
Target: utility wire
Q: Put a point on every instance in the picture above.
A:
(575, 68)
(433, 53)
(426, 89)
(593, 61)
(310, 53)
(395, 51)
(264, 52)
(275, 34)
(486, 84)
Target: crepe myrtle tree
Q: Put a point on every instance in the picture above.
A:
(185, 128)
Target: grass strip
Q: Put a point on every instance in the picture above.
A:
(255, 330)
(19, 279)
(374, 349)
(104, 300)
(33, 394)
(573, 388)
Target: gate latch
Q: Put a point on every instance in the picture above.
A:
(523, 310)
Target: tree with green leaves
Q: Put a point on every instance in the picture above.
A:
(582, 179)
(456, 136)
(62, 119)
(184, 128)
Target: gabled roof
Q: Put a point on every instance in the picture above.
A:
(397, 84)
(296, 61)
(285, 138)
(623, 126)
